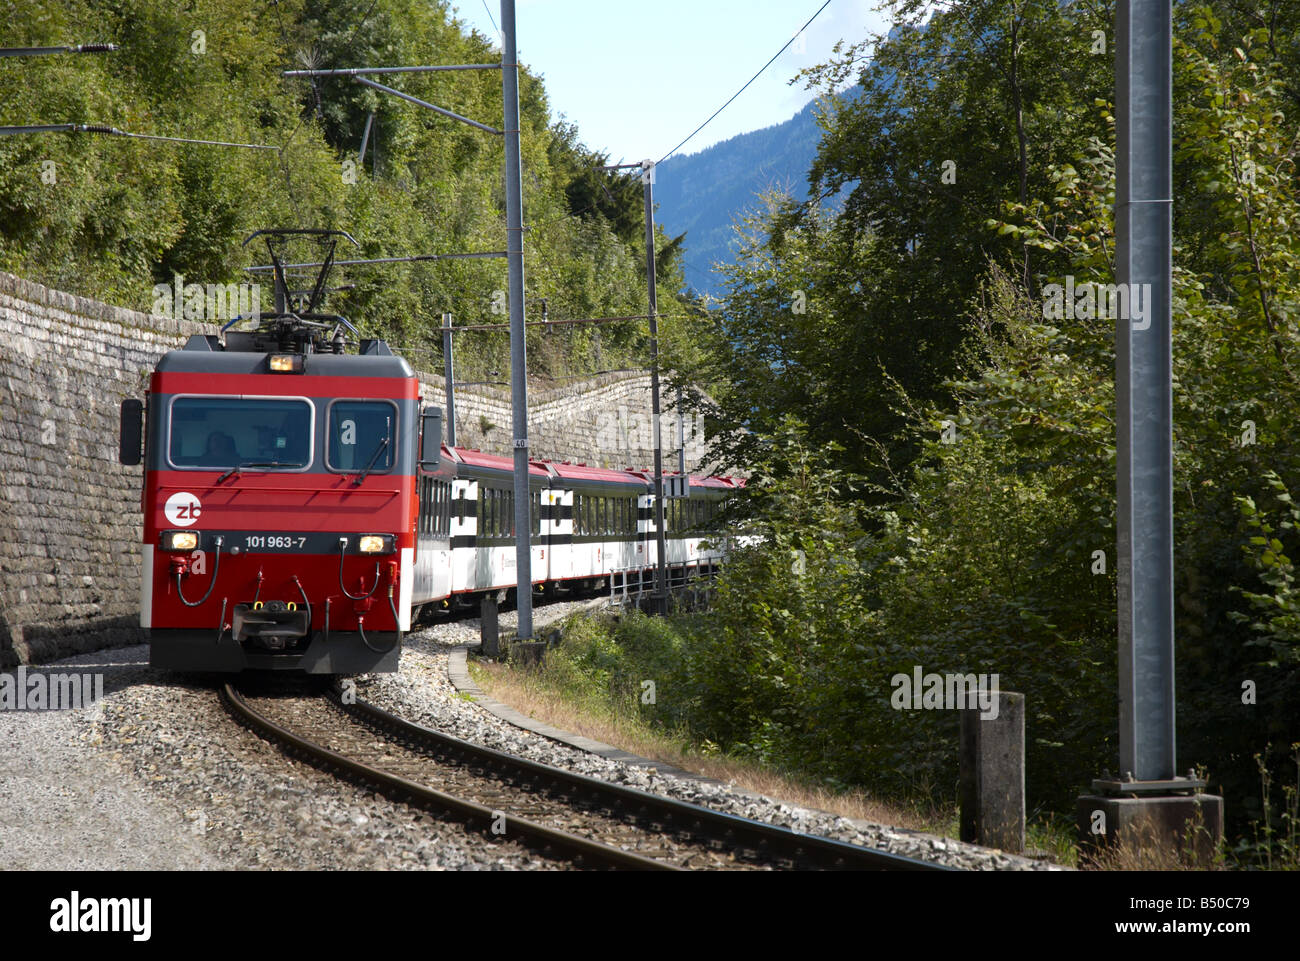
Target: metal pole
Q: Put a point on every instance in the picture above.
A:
(365, 139)
(450, 374)
(424, 103)
(1143, 375)
(518, 348)
(681, 439)
(660, 599)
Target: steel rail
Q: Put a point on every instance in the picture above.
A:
(540, 836)
(773, 841)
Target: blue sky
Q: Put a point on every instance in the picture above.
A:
(638, 77)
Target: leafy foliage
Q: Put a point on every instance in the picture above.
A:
(121, 215)
(980, 452)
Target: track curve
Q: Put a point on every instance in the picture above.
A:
(594, 823)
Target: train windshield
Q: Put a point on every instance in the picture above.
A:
(230, 431)
(362, 436)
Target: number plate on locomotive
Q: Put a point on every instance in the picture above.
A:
(274, 542)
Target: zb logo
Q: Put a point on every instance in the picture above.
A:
(182, 509)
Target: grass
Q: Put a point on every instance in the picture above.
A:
(533, 694)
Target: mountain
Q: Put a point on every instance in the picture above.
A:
(701, 194)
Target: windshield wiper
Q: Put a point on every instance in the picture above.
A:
(238, 469)
(379, 449)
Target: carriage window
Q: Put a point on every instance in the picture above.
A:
(228, 431)
(496, 512)
(435, 506)
(503, 513)
(361, 435)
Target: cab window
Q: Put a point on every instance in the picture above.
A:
(225, 432)
(361, 435)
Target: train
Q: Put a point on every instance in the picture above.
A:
(301, 510)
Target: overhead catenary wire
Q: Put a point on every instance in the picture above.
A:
(115, 132)
(354, 71)
(46, 51)
(573, 322)
(505, 328)
(488, 11)
(284, 163)
(613, 168)
(360, 23)
(413, 259)
(747, 83)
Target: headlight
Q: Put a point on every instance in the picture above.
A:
(180, 540)
(375, 544)
(288, 363)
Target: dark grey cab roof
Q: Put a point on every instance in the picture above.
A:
(319, 365)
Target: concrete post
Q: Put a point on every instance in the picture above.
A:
(992, 770)
(449, 378)
(488, 630)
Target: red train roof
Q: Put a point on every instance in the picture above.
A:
(477, 458)
(698, 480)
(585, 472)
(725, 483)
(588, 473)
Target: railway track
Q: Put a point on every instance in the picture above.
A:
(567, 816)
